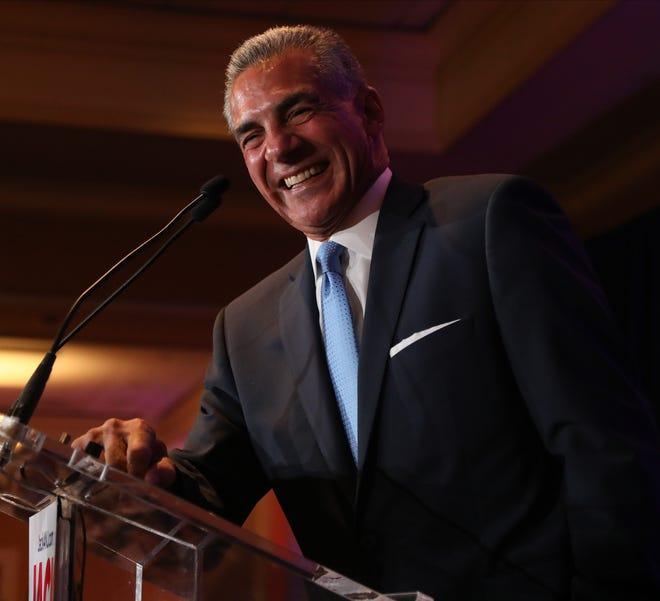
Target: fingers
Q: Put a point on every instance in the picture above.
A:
(114, 444)
(80, 442)
(92, 435)
(143, 449)
(129, 445)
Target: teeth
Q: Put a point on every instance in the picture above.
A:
(302, 176)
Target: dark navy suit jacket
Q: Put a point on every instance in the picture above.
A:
(508, 455)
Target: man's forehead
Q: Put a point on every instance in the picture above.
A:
(274, 83)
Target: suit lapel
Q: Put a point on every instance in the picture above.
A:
(301, 337)
(394, 250)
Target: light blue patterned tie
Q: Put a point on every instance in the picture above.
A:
(340, 344)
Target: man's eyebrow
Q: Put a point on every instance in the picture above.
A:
(289, 101)
(245, 127)
(282, 107)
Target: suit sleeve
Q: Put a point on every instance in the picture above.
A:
(581, 389)
(217, 468)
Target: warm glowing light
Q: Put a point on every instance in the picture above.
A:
(102, 379)
(78, 364)
(16, 366)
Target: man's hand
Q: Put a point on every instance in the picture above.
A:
(132, 446)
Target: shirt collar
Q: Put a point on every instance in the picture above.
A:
(359, 238)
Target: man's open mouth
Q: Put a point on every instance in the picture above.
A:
(303, 176)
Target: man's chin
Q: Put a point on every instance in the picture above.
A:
(317, 226)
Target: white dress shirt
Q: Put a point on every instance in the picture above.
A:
(359, 242)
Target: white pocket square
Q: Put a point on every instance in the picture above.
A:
(399, 346)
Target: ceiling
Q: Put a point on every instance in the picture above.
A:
(110, 114)
(398, 15)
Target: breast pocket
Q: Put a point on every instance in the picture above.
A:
(438, 364)
(419, 335)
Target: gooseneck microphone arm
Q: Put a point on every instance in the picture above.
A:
(61, 340)
(200, 208)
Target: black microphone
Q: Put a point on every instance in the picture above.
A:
(210, 194)
(199, 208)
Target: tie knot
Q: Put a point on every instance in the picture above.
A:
(329, 256)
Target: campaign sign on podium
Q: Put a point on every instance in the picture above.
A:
(42, 545)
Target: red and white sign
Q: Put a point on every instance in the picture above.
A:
(43, 538)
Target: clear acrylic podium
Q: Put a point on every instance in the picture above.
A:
(157, 545)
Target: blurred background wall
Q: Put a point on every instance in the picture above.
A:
(110, 119)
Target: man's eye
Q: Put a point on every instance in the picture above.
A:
(250, 141)
(300, 115)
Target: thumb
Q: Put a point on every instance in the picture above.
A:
(162, 473)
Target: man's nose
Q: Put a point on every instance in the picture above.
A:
(281, 146)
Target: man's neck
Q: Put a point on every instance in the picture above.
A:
(370, 202)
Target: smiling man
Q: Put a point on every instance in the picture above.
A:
(313, 145)
(434, 387)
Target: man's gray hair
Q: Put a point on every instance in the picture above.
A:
(333, 58)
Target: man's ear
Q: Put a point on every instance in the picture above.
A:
(374, 115)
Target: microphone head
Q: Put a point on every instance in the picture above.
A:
(216, 185)
(210, 201)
